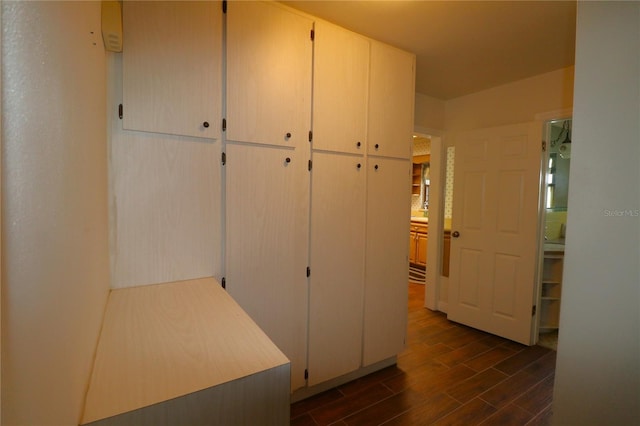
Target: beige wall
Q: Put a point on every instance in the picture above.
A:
(598, 364)
(55, 267)
(516, 102)
(428, 113)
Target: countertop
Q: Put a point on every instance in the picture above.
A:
(420, 219)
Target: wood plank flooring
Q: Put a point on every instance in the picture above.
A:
(449, 374)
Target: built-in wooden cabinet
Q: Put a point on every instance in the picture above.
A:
(416, 178)
(268, 74)
(340, 89)
(391, 83)
(172, 60)
(264, 269)
(418, 236)
(314, 217)
(386, 267)
(336, 283)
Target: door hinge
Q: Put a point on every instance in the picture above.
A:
(308, 271)
(120, 111)
(306, 374)
(224, 6)
(224, 124)
(310, 165)
(224, 158)
(533, 310)
(312, 34)
(544, 146)
(224, 283)
(310, 135)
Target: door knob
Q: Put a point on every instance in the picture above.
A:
(455, 234)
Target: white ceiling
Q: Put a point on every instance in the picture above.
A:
(463, 46)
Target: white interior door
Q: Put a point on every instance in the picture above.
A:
(494, 229)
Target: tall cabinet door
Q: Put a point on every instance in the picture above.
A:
(172, 67)
(266, 255)
(391, 93)
(269, 62)
(340, 87)
(387, 265)
(337, 265)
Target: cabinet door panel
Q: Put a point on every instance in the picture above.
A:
(341, 84)
(391, 97)
(172, 59)
(269, 60)
(337, 265)
(421, 249)
(265, 273)
(387, 266)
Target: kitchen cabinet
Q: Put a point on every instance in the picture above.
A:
(336, 284)
(391, 83)
(386, 267)
(418, 236)
(268, 74)
(266, 247)
(416, 178)
(340, 86)
(172, 60)
(551, 290)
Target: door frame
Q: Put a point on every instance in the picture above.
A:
(435, 232)
(543, 119)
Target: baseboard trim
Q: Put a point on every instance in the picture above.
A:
(304, 393)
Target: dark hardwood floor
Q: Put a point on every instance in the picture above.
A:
(449, 374)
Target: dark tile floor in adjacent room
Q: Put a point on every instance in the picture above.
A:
(449, 374)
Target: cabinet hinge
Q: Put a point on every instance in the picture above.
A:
(306, 374)
(308, 271)
(544, 146)
(533, 310)
(224, 124)
(312, 34)
(120, 111)
(310, 165)
(224, 6)
(224, 158)
(310, 135)
(224, 283)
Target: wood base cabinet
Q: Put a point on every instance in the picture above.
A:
(418, 236)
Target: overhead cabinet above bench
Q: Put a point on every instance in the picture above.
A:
(313, 172)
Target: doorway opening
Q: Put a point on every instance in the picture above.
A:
(554, 219)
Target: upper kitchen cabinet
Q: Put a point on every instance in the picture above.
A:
(341, 84)
(172, 67)
(269, 64)
(391, 95)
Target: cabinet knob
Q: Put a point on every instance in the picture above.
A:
(288, 160)
(377, 146)
(205, 124)
(375, 167)
(288, 135)
(455, 234)
(358, 144)
(359, 165)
